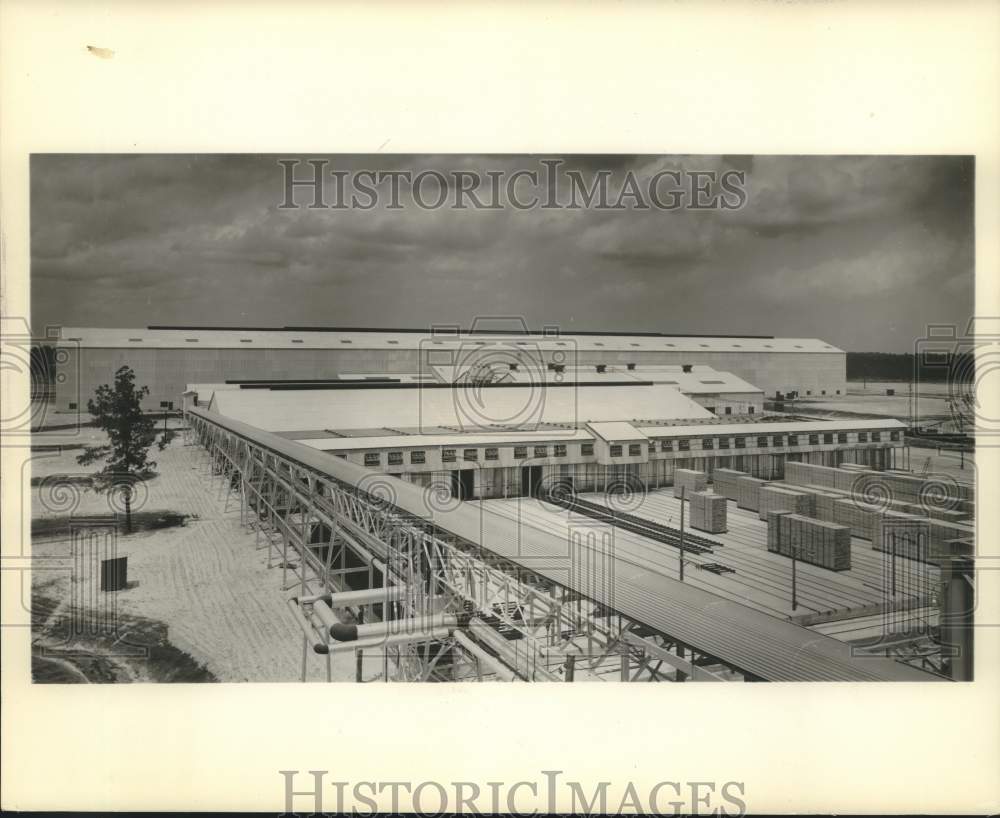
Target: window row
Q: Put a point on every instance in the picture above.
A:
(492, 453)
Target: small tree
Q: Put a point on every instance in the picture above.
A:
(118, 411)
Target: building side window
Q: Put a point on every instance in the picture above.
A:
(683, 445)
(776, 440)
(894, 435)
(793, 440)
(395, 458)
(372, 458)
(813, 440)
(448, 455)
(418, 458)
(729, 410)
(876, 437)
(762, 441)
(559, 450)
(492, 453)
(749, 410)
(708, 443)
(616, 450)
(541, 451)
(520, 452)
(587, 449)
(723, 442)
(666, 445)
(72, 406)
(862, 437)
(741, 443)
(470, 454)
(828, 437)
(634, 449)
(841, 437)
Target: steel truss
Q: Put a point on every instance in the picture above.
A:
(498, 620)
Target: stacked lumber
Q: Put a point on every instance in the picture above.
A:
(748, 492)
(708, 512)
(774, 498)
(813, 541)
(689, 480)
(725, 482)
(905, 534)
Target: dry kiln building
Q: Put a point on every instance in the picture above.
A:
(166, 359)
(506, 440)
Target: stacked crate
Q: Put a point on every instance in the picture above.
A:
(689, 480)
(748, 493)
(708, 512)
(773, 498)
(806, 474)
(813, 541)
(859, 517)
(912, 535)
(726, 482)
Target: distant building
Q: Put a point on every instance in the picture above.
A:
(167, 359)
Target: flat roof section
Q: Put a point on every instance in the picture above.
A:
(292, 338)
(457, 409)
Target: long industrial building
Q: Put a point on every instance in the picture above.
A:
(166, 359)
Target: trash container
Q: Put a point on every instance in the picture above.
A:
(114, 574)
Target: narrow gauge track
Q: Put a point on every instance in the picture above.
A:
(637, 525)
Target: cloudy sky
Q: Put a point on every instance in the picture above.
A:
(863, 252)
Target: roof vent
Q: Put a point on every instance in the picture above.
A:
(686, 367)
(630, 367)
(602, 367)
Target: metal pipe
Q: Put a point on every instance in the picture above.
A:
(312, 638)
(376, 643)
(366, 596)
(488, 659)
(392, 627)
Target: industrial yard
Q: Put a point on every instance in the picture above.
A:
(507, 518)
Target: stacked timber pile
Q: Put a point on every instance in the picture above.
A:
(904, 534)
(952, 500)
(726, 482)
(859, 517)
(748, 493)
(689, 480)
(773, 498)
(708, 512)
(813, 541)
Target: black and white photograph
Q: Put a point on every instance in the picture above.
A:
(496, 408)
(511, 418)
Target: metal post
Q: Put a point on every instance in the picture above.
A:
(359, 658)
(683, 491)
(795, 602)
(570, 666)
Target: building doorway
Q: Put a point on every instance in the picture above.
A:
(462, 484)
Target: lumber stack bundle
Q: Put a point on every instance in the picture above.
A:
(726, 482)
(774, 498)
(708, 512)
(813, 541)
(748, 493)
(906, 534)
(690, 480)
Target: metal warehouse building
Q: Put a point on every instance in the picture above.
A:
(507, 441)
(166, 359)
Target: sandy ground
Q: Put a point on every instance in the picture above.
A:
(205, 580)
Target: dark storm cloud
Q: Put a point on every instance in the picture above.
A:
(862, 251)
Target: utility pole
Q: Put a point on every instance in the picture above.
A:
(795, 601)
(683, 491)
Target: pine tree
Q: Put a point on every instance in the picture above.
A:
(118, 411)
